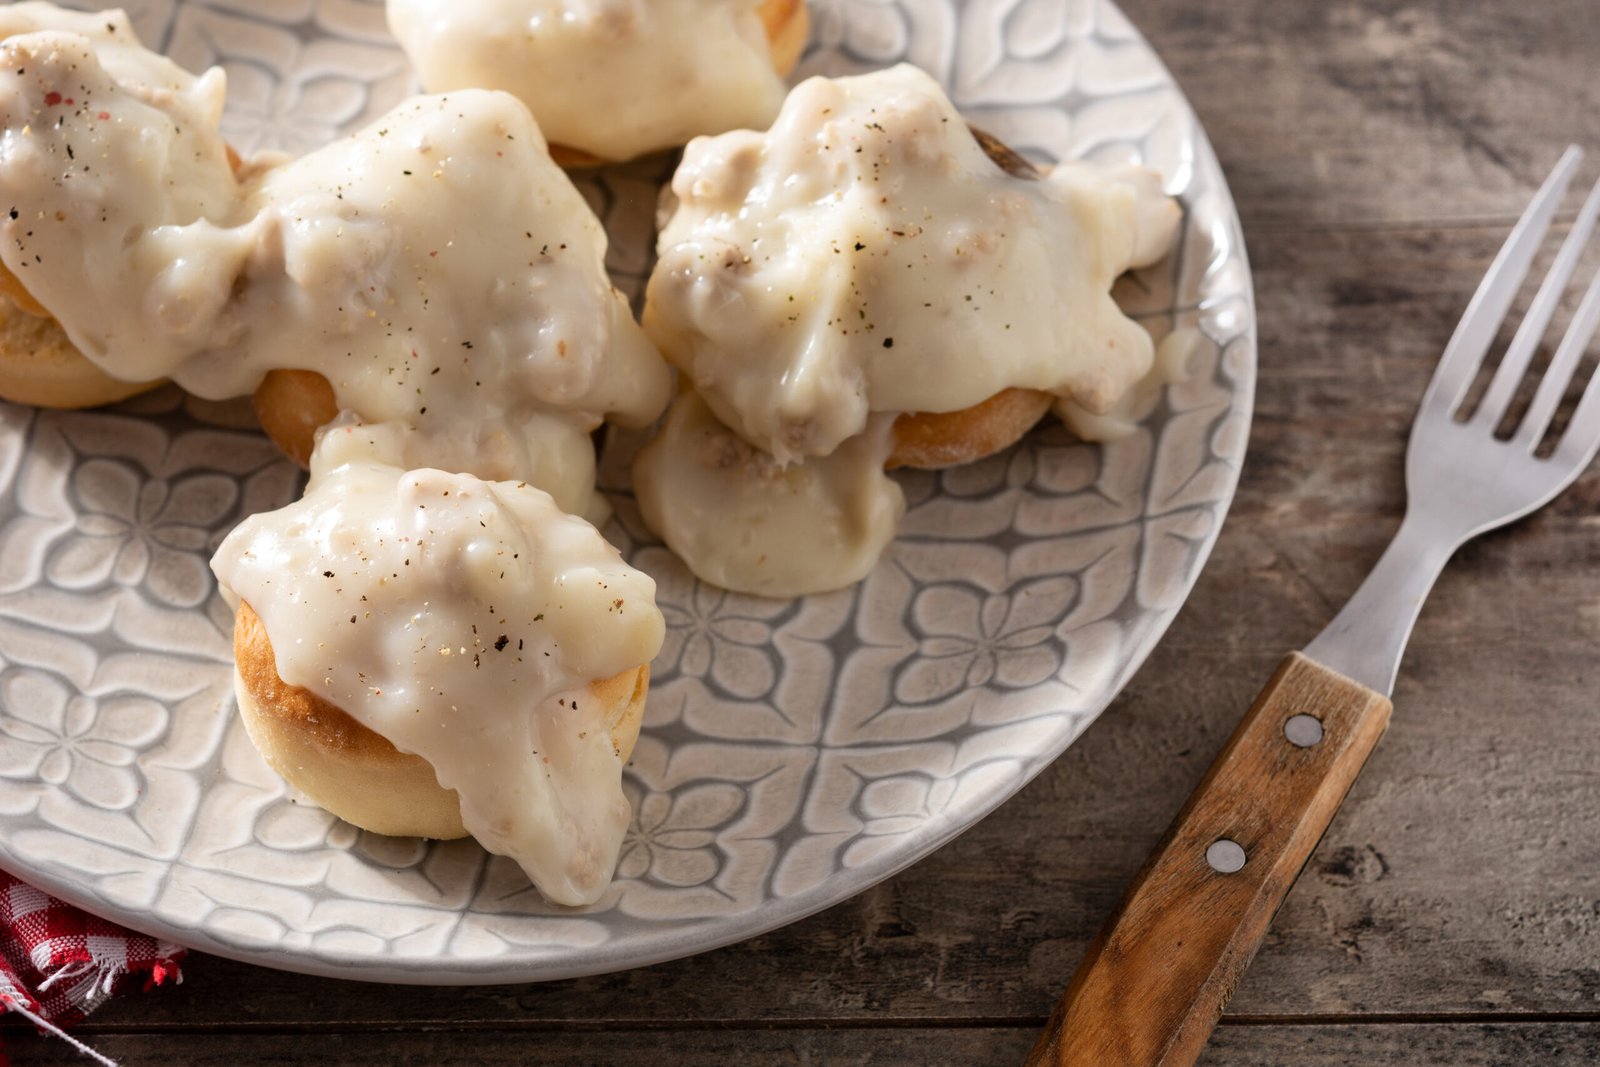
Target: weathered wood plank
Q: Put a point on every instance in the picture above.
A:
(1417, 1045)
(1371, 111)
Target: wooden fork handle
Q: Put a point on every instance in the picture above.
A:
(1157, 975)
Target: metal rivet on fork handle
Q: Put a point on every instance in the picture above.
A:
(1303, 730)
(1225, 856)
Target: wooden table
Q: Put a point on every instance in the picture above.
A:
(1379, 152)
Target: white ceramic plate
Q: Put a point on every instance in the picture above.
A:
(793, 753)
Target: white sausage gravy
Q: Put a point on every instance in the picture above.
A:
(865, 257)
(614, 78)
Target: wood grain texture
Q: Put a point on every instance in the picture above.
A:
(1379, 151)
(1465, 1044)
(1380, 112)
(1155, 979)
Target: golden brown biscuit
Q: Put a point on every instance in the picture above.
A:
(355, 773)
(934, 440)
(11, 286)
(291, 405)
(40, 365)
(788, 24)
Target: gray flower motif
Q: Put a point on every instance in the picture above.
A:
(720, 635)
(287, 114)
(673, 836)
(67, 739)
(135, 530)
(967, 639)
(895, 804)
(297, 73)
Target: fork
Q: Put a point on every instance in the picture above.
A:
(1155, 979)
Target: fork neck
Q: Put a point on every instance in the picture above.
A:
(1367, 638)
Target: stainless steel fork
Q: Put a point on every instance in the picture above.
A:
(1460, 479)
(1155, 979)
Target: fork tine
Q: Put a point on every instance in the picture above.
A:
(1470, 342)
(1581, 438)
(1562, 367)
(1515, 362)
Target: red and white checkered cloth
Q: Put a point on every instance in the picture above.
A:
(57, 963)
